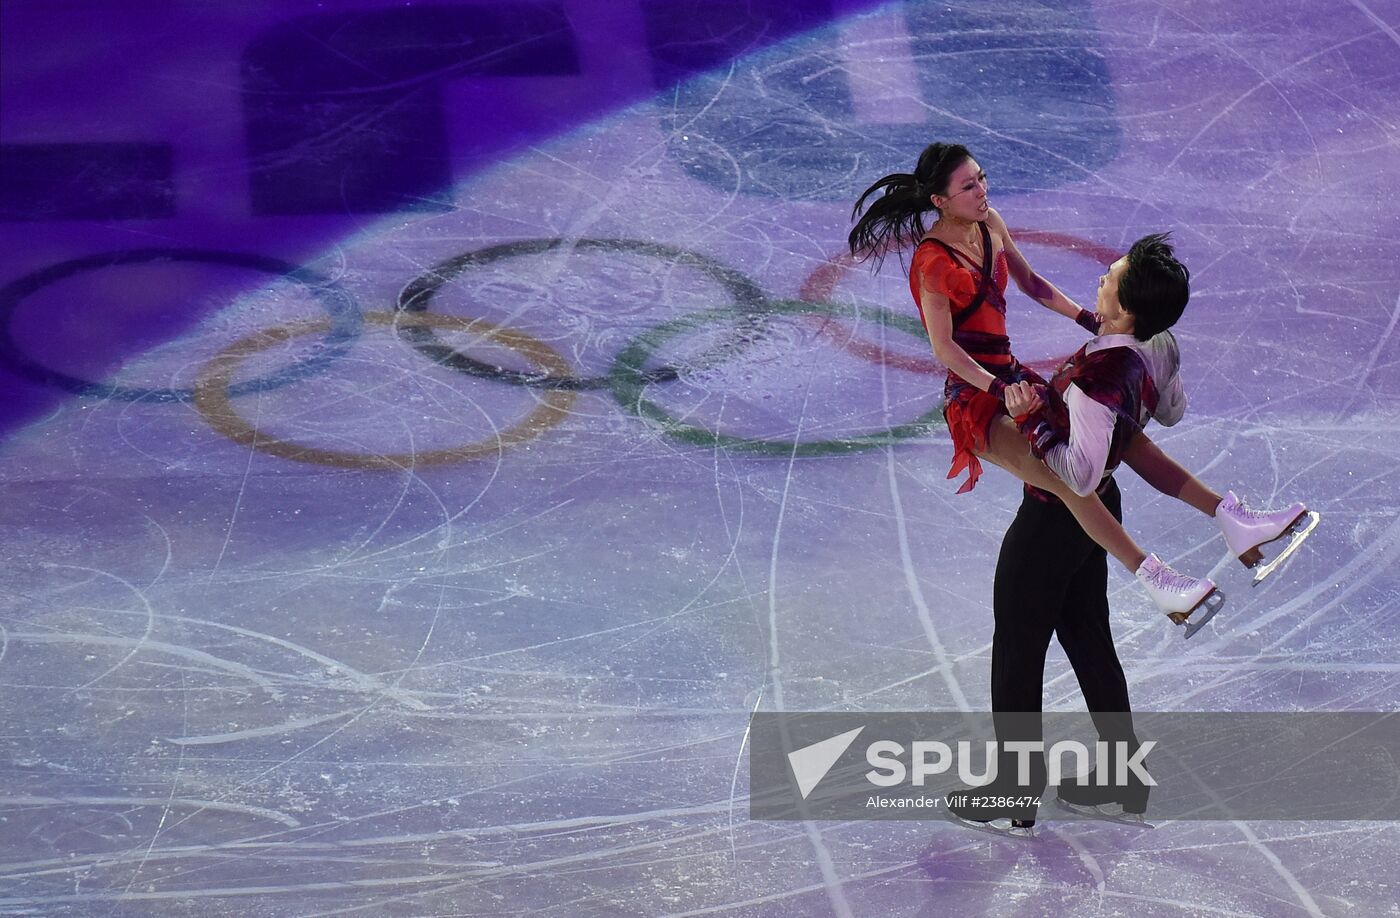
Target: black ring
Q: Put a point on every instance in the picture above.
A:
(629, 388)
(345, 321)
(419, 293)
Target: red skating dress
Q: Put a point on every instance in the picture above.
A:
(979, 329)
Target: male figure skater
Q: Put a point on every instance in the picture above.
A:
(1051, 578)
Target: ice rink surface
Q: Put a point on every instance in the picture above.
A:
(432, 430)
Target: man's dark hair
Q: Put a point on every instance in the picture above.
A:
(1155, 286)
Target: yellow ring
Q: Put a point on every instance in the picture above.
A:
(212, 400)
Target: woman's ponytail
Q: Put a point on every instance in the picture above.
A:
(895, 219)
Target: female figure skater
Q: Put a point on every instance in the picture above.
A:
(958, 276)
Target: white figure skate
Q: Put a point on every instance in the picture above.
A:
(1188, 601)
(1246, 530)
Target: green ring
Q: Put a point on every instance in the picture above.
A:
(627, 380)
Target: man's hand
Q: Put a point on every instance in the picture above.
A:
(1021, 399)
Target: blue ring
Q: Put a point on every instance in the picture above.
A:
(344, 312)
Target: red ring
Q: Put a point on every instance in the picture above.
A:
(821, 283)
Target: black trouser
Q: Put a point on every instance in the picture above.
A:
(1051, 579)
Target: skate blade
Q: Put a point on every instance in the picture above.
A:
(1254, 557)
(1301, 529)
(1204, 612)
(1001, 827)
(1107, 812)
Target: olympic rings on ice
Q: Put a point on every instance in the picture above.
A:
(211, 395)
(736, 326)
(418, 295)
(344, 324)
(630, 379)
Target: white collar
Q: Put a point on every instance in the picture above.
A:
(1103, 342)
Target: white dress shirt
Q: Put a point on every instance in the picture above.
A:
(1080, 462)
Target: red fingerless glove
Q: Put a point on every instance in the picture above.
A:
(1089, 321)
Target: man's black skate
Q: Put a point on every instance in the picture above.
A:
(963, 808)
(1126, 805)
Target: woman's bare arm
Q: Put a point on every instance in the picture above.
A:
(1030, 283)
(938, 322)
